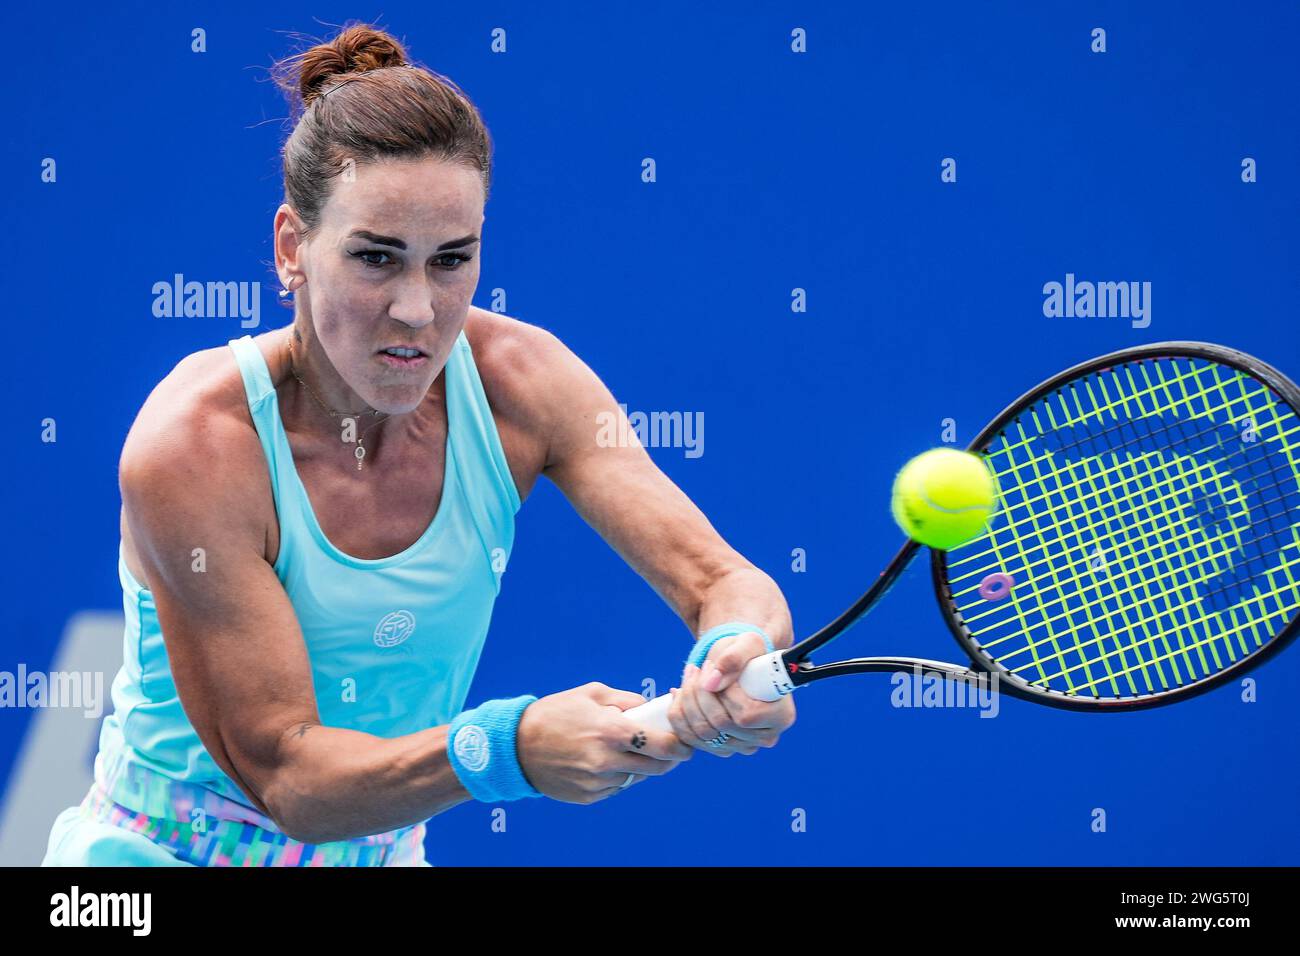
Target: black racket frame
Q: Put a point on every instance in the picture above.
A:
(803, 671)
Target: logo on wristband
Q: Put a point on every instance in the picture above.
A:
(472, 748)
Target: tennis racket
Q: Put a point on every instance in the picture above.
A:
(1145, 548)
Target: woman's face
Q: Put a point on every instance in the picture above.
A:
(393, 265)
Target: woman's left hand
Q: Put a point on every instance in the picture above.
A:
(710, 703)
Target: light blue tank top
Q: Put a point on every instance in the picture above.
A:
(393, 642)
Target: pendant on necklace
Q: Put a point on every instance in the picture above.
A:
(360, 453)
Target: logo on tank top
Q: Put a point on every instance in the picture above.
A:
(393, 628)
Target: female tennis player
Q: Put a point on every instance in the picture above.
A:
(315, 521)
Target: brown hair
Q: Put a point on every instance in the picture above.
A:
(357, 97)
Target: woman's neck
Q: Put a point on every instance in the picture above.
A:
(310, 410)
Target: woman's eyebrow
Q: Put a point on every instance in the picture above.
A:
(399, 244)
(462, 241)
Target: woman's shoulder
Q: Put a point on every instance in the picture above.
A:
(502, 342)
(197, 413)
(515, 359)
(523, 370)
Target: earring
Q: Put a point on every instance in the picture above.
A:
(287, 296)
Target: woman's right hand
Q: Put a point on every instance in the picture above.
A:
(577, 747)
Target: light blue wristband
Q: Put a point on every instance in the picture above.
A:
(715, 634)
(481, 748)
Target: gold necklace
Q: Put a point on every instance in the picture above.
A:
(360, 452)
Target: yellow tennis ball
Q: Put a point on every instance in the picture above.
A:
(944, 497)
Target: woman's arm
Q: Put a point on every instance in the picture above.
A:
(194, 480)
(649, 521)
(237, 654)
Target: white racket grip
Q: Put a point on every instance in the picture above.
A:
(764, 678)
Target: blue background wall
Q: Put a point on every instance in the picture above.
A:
(776, 171)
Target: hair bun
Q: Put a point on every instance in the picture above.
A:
(357, 49)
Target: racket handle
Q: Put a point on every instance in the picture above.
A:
(764, 678)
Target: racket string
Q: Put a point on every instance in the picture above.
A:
(1170, 654)
(1169, 604)
(1170, 610)
(1189, 534)
(1072, 487)
(1047, 456)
